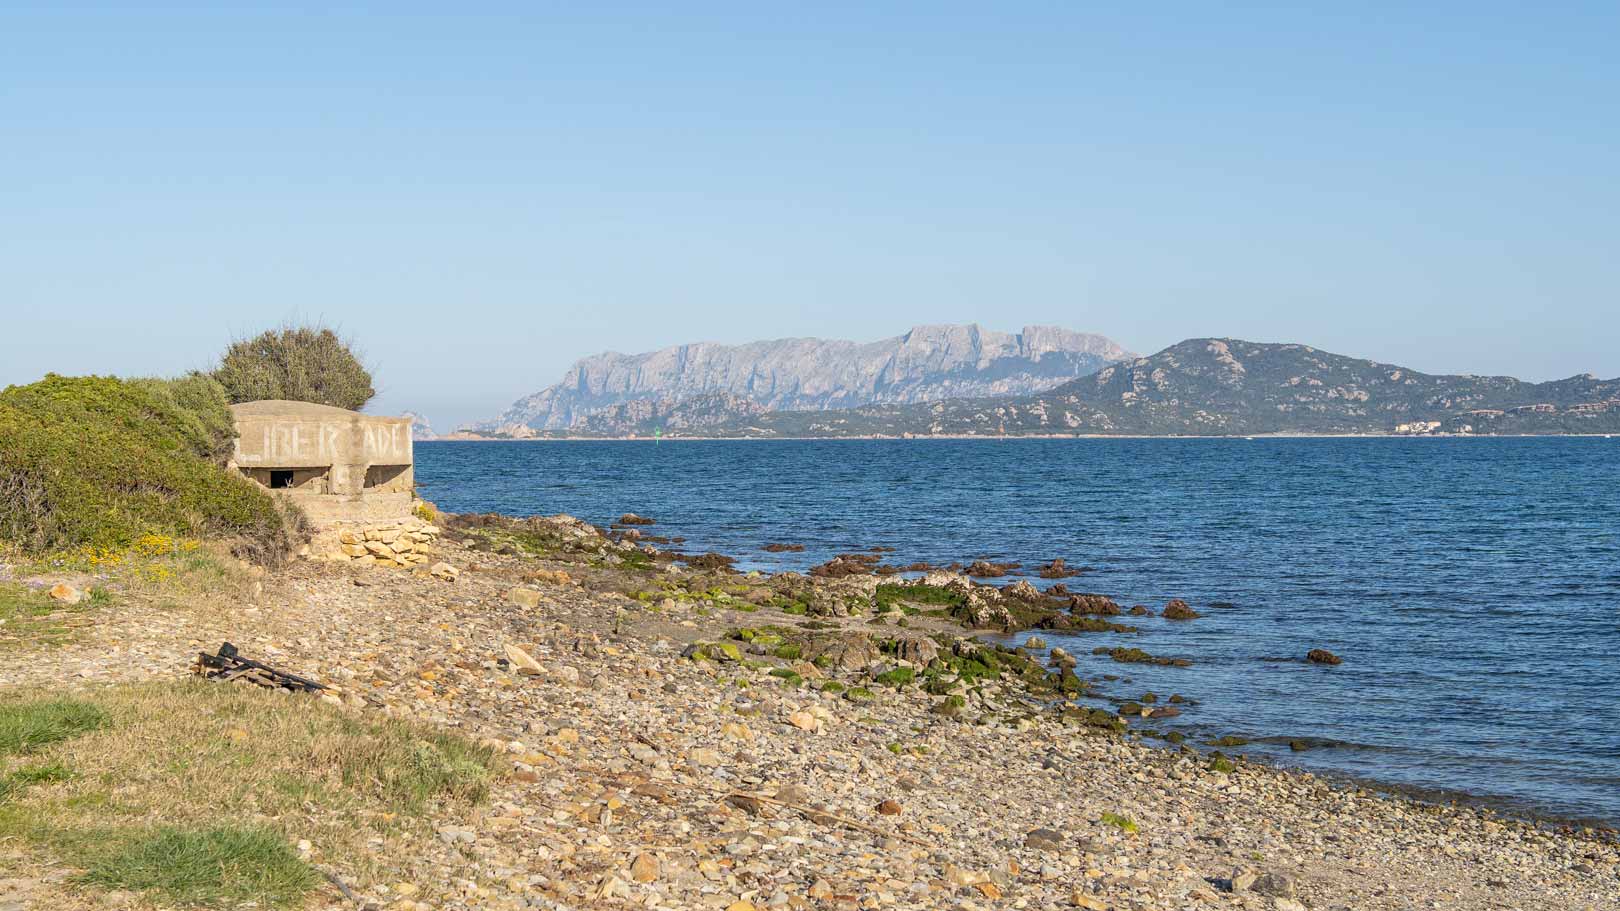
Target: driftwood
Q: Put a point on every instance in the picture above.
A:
(229, 664)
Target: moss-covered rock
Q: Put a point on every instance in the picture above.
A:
(897, 678)
(1137, 656)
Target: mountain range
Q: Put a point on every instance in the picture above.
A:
(707, 384)
(1220, 387)
(964, 381)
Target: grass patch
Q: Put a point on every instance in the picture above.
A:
(15, 782)
(222, 865)
(157, 767)
(28, 727)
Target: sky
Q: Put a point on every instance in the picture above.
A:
(481, 193)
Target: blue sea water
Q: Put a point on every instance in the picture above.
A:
(1472, 586)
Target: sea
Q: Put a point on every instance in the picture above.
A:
(1470, 585)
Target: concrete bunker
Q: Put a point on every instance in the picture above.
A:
(340, 466)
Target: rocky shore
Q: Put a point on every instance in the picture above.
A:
(682, 736)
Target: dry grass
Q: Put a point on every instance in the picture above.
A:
(227, 778)
(186, 575)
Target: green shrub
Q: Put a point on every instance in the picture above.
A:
(303, 364)
(203, 409)
(100, 462)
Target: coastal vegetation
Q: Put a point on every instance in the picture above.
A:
(99, 462)
(299, 363)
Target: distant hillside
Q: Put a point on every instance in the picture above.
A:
(622, 394)
(1234, 387)
(421, 430)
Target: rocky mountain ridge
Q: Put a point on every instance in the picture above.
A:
(1218, 387)
(694, 385)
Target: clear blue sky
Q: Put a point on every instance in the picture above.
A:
(481, 193)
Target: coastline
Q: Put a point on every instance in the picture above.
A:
(661, 755)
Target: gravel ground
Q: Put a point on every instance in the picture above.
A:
(641, 778)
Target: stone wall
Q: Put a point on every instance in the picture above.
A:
(399, 543)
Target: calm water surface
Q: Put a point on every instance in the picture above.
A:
(1471, 585)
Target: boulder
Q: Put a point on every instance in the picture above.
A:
(66, 593)
(846, 565)
(1057, 569)
(1274, 885)
(985, 569)
(1023, 591)
(983, 610)
(1177, 609)
(1044, 840)
(919, 650)
(1093, 605)
(848, 651)
(522, 663)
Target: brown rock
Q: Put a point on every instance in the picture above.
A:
(524, 597)
(1177, 609)
(1057, 569)
(1022, 590)
(985, 569)
(919, 650)
(66, 593)
(890, 807)
(522, 663)
(644, 869)
(849, 651)
(1093, 605)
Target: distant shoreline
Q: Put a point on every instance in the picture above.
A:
(1028, 436)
